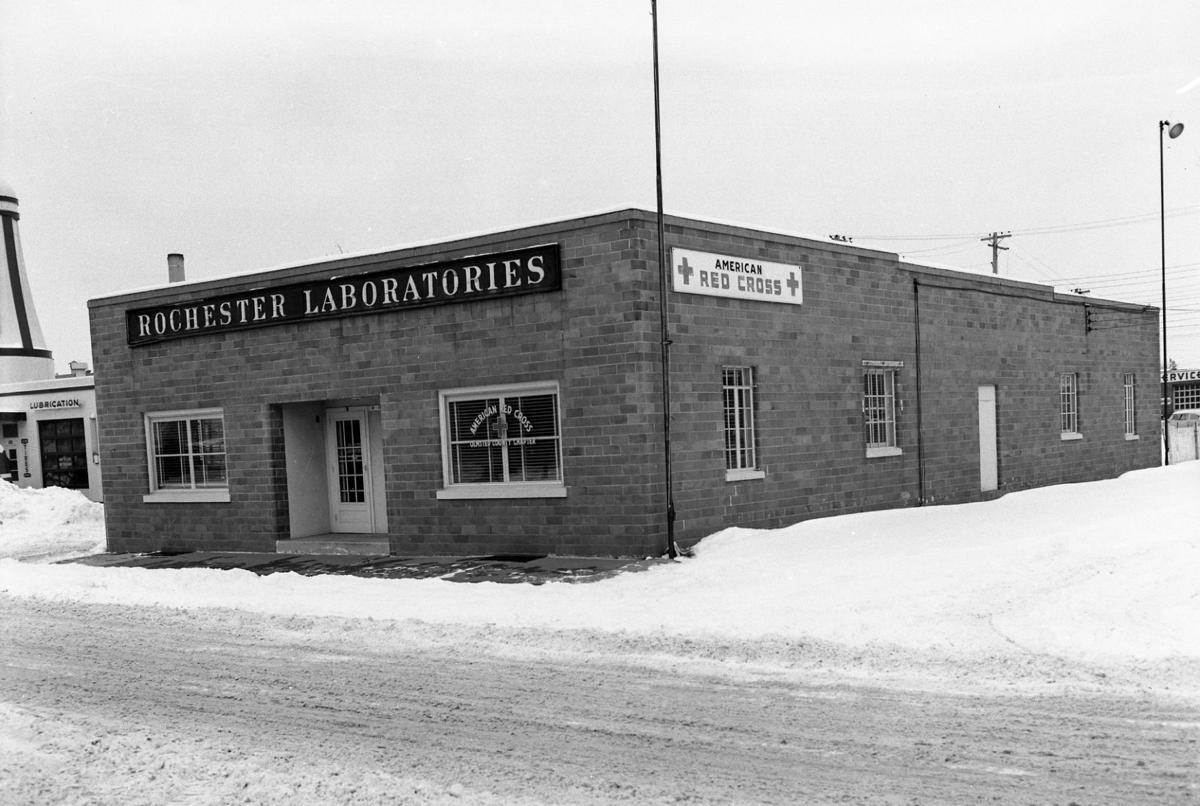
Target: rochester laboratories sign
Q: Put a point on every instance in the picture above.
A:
(506, 274)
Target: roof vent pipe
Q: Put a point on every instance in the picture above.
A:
(175, 268)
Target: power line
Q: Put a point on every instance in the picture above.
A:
(1155, 271)
(1053, 229)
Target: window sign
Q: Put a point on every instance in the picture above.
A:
(504, 438)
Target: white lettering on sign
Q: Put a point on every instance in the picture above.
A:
(736, 277)
(530, 270)
(500, 427)
(61, 403)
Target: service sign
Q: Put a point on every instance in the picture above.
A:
(1183, 375)
(737, 277)
(505, 274)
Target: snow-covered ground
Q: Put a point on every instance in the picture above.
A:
(1103, 574)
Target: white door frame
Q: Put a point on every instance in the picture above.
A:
(357, 514)
(989, 460)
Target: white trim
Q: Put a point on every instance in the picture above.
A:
(1068, 436)
(744, 474)
(172, 495)
(874, 453)
(460, 492)
(1129, 437)
(736, 381)
(498, 489)
(337, 508)
(218, 496)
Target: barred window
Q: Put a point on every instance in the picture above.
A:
(504, 439)
(879, 411)
(737, 386)
(1185, 396)
(1130, 408)
(1068, 404)
(187, 453)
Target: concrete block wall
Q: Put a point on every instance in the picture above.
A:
(861, 306)
(1021, 338)
(808, 369)
(599, 339)
(594, 338)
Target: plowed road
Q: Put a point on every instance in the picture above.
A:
(106, 704)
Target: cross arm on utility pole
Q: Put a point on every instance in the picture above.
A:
(995, 239)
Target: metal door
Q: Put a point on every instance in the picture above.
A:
(989, 467)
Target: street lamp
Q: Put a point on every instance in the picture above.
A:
(1174, 131)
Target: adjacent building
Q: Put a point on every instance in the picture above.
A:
(1183, 389)
(48, 434)
(503, 393)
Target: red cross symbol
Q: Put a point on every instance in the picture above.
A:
(500, 427)
(792, 282)
(686, 270)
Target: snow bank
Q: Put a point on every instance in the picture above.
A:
(1101, 571)
(48, 525)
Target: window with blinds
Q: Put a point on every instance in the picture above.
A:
(187, 451)
(504, 437)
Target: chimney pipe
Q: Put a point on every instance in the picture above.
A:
(175, 268)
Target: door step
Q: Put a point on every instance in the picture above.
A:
(336, 544)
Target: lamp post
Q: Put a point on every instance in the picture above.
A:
(1174, 131)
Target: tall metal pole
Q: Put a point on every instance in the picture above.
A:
(1162, 206)
(662, 302)
(1173, 132)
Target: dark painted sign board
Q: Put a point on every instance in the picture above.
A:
(506, 274)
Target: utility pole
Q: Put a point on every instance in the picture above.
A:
(996, 238)
(663, 269)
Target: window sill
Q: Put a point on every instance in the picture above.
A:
(744, 475)
(1070, 435)
(187, 497)
(874, 453)
(462, 492)
(1131, 437)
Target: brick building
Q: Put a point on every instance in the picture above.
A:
(503, 393)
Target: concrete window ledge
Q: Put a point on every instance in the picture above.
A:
(187, 497)
(469, 491)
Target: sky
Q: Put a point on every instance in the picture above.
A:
(251, 134)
